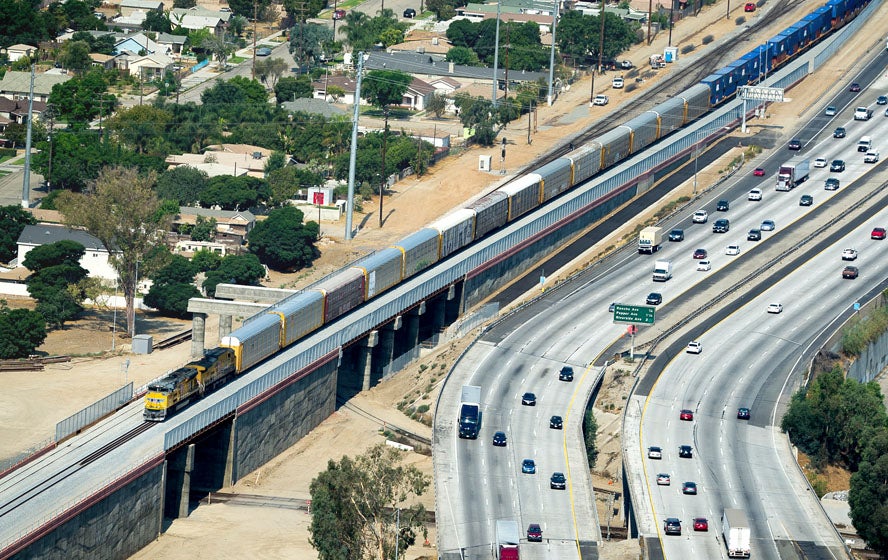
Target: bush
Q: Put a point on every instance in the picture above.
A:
(862, 331)
(7, 152)
(708, 39)
(688, 48)
(740, 20)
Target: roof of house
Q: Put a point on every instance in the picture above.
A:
(455, 84)
(178, 13)
(20, 48)
(170, 39)
(142, 4)
(423, 64)
(20, 106)
(41, 234)
(227, 215)
(426, 46)
(140, 39)
(137, 18)
(313, 106)
(20, 82)
(421, 87)
(346, 83)
(156, 60)
(101, 58)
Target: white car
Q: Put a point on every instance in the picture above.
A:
(755, 194)
(820, 162)
(700, 217)
(732, 250)
(871, 156)
(694, 347)
(703, 266)
(655, 452)
(775, 308)
(849, 255)
(601, 100)
(617, 83)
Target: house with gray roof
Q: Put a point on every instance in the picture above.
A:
(127, 7)
(16, 85)
(428, 68)
(171, 44)
(314, 107)
(95, 259)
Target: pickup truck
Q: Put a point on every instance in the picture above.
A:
(871, 157)
(862, 114)
(600, 100)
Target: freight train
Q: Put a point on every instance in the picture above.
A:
(305, 312)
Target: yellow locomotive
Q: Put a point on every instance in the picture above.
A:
(176, 389)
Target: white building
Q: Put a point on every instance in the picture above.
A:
(95, 259)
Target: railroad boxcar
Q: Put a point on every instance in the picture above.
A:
(382, 270)
(672, 115)
(342, 292)
(777, 50)
(420, 250)
(586, 161)
(644, 131)
(819, 21)
(740, 73)
(840, 12)
(556, 177)
(491, 212)
(254, 341)
(753, 61)
(524, 194)
(300, 314)
(718, 86)
(615, 145)
(696, 102)
(456, 230)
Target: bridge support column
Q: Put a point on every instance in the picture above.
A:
(439, 305)
(367, 351)
(387, 345)
(224, 326)
(198, 334)
(452, 304)
(413, 329)
(185, 493)
(228, 478)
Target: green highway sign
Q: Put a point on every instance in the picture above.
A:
(634, 314)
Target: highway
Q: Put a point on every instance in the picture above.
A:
(478, 483)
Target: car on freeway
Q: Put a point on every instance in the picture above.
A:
(768, 225)
(837, 166)
(820, 162)
(700, 254)
(849, 255)
(686, 414)
(775, 308)
(677, 235)
(263, 51)
(558, 481)
(854, 88)
(689, 488)
(795, 144)
(754, 235)
(655, 453)
(556, 422)
(528, 399)
(672, 526)
(338, 14)
(830, 111)
(700, 217)
(882, 100)
(806, 200)
(663, 479)
(743, 413)
(732, 250)
(617, 83)
(601, 100)
(758, 172)
(871, 156)
(654, 298)
(721, 226)
(528, 467)
(878, 233)
(701, 524)
(499, 439)
(749, 7)
(685, 451)
(534, 533)
(566, 374)
(722, 206)
(839, 132)
(611, 307)
(704, 265)
(409, 13)
(831, 184)
(755, 194)
(694, 347)
(886, 112)
(850, 272)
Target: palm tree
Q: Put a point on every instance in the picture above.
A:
(220, 48)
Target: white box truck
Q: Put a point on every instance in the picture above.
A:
(650, 239)
(735, 530)
(792, 173)
(662, 271)
(507, 539)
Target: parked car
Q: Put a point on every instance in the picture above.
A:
(749, 7)
(410, 13)
(626, 64)
(617, 83)
(338, 14)
(850, 272)
(601, 100)
(263, 51)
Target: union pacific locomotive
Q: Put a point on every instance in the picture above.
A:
(307, 311)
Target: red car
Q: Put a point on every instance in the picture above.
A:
(700, 254)
(878, 233)
(700, 524)
(338, 14)
(686, 415)
(855, 87)
(749, 7)
(759, 172)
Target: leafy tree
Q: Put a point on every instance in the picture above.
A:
(184, 3)
(283, 241)
(289, 88)
(462, 33)
(269, 70)
(463, 56)
(219, 46)
(204, 230)
(590, 434)
(13, 220)
(233, 193)
(478, 114)
(121, 211)
(75, 56)
(141, 128)
(353, 505)
(237, 90)
(21, 332)
(300, 11)
(363, 32)
(173, 287)
(55, 272)
(178, 270)
(22, 21)
(156, 21)
(82, 98)
(182, 184)
(443, 9)
(868, 497)
(277, 160)
(102, 45)
(205, 261)
(578, 35)
(245, 270)
(286, 181)
(237, 25)
(437, 104)
(245, 7)
(309, 42)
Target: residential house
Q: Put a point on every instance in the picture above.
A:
(423, 42)
(171, 45)
(133, 22)
(232, 226)
(15, 52)
(321, 88)
(228, 159)
(418, 95)
(16, 111)
(137, 44)
(16, 85)
(426, 68)
(314, 106)
(95, 260)
(128, 7)
(196, 18)
(445, 85)
(148, 67)
(104, 61)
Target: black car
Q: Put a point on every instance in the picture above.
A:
(654, 298)
(556, 423)
(795, 144)
(677, 235)
(566, 374)
(855, 87)
(529, 399)
(837, 166)
(499, 439)
(839, 132)
(721, 226)
(558, 481)
(685, 451)
(882, 100)
(831, 184)
(722, 206)
(409, 13)
(806, 200)
(743, 413)
(754, 235)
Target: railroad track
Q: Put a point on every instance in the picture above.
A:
(173, 340)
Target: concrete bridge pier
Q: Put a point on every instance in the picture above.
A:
(224, 326)
(387, 344)
(413, 319)
(453, 303)
(180, 467)
(198, 334)
(367, 358)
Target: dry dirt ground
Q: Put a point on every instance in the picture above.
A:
(33, 402)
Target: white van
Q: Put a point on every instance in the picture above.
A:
(864, 144)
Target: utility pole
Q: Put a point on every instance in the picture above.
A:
(255, 19)
(49, 113)
(600, 53)
(551, 99)
(382, 179)
(529, 111)
(26, 181)
(350, 203)
(506, 65)
(496, 53)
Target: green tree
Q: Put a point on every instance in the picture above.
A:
(83, 98)
(868, 497)
(22, 21)
(353, 505)
(204, 230)
(269, 70)
(289, 88)
(55, 272)
(309, 43)
(141, 128)
(283, 241)
(173, 287)
(75, 56)
(179, 270)
(219, 46)
(437, 104)
(300, 11)
(578, 35)
(234, 192)
(245, 7)
(590, 435)
(205, 261)
(13, 220)
(157, 22)
(444, 9)
(21, 332)
(245, 270)
(463, 56)
(286, 181)
(182, 184)
(238, 90)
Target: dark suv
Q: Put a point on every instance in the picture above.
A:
(721, 226)
(685, 451)
(676, 235)
(722, 206)
(566, 374)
